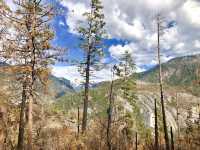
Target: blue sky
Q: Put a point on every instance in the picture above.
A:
(64, 38)
(130, 26)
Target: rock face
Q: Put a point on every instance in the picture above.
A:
(173, 100)
(147, 104)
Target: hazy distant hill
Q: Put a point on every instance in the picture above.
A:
(60, 86)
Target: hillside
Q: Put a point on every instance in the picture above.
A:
(60, 86)
(182, 72)
(56, 87)
(62, 113)
(180, 75)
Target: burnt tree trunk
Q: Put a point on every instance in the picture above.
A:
(161, 86)
(20, 145)
(156, 128)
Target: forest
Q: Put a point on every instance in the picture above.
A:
(99, 75)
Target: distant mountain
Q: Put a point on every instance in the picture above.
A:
(60, 86)
(57, 87)
(181, 71)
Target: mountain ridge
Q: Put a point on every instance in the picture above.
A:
(181, 71)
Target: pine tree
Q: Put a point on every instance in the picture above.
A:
(128, 86)
(92, 33)
(114, 70)
(29, 49)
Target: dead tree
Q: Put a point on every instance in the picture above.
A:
(159, 29)
(156, 127)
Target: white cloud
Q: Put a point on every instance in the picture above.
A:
(135, 21)
(76, 9)
(179, 46)
(61, 23)
(118, 50)
(191, 11)
(197, 43)
(71, 73)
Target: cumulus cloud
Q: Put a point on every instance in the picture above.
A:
(76, 9)
(191, 11)
(135, 21)
(118, 50)
(71, 73)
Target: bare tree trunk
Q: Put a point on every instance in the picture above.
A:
(161, 87)
(156, 128)
(109, 111)
(30, 123)
(172, 139)
(20, 145)
(86, 99)
(199, 125)
(177, 119)
(78, 122)
(136, 141)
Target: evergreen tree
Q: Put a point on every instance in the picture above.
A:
(28, 47)
(91, 35)
(128, 86)
(127, 89)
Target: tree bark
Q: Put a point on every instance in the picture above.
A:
(177, 119)
(136, 141)
(20, 145)
(78, 122)
(86, 99)
(109, 111)
(161, 86)
(30, 123)
(172, 139)
(156, 128)
(32, 80)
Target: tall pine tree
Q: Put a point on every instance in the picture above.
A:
(92, 32)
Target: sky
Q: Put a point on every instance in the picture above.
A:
(130, 25)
